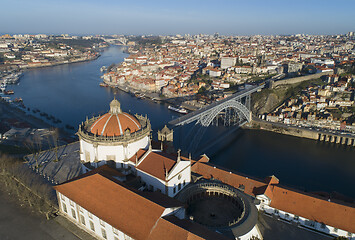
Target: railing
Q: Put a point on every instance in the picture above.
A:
(213, 187)
(84, 131)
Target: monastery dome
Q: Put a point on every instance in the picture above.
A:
(115, 122)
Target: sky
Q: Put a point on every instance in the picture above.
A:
(170, 17)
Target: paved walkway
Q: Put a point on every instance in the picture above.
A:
(272, 228)
(18, 223)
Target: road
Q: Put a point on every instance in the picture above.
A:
(17, 223)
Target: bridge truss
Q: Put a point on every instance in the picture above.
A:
(231, 111)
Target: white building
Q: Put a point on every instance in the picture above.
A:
(108, 209)
(122, 141)
(228, 61)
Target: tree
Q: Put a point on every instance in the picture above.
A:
(35, 146)
(202, 90)
(53, 141)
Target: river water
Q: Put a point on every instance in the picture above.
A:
(71, 92)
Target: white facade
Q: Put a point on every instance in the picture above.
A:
(227, 62)
(96, 226)
(309, 224)
(118, 152)
(174, 182)
(88, 221)
(254, 232)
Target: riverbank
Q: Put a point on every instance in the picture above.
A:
(9, 111)
(52, 64)
(322, 136)
(138, 93)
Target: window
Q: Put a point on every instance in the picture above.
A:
(64, 208)
(62, 197)
(73, 213)
(81, 209)
(92, 227)
(276, 211)
(114, 230)
(179, 186)
(87, 156)
(71, 203)
(322, 225)
(335, 230)
(102, 223)
(296, 218)
(174, 190)
(184, 182)
(82, 219)
(287, 215)
(110, 157)
(310, 223)
(103, 232)
(90, 215)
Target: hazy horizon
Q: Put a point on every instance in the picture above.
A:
(158, 17)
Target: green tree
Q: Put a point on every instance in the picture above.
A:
(202, 90)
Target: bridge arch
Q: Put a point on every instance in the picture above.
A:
(241, 109)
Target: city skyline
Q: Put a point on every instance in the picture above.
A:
(183, 17)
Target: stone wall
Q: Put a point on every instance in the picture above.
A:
(300, 79)
(303, 132)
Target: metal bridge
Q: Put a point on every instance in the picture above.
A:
(231, 111)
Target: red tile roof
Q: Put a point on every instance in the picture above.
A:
(313, 208)
(170, 227)
(137, 156)
(157, 164)
(236, 180)
(115, 203)
(115, 124)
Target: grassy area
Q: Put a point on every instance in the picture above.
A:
(284, 92)
(295, 90)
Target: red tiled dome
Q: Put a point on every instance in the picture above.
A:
(115, 122)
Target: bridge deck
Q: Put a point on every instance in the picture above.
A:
(240, 94)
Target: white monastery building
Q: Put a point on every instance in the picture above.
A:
(128, 190)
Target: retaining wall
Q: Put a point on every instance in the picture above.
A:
(304, 133)
(300, 79)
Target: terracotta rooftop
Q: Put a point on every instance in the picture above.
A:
(117, 204)
(157, 164)
(115, 124)
(137, 156)
(171, 227)
(313, 208)
(208, 171)
(138, 214)
(339, 215)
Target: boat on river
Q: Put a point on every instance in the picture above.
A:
(2, 87)
(179, 109)
(9, 92)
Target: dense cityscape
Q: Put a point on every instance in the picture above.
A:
(149, 124)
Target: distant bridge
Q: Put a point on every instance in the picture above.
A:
(233, 110)
(115, 41)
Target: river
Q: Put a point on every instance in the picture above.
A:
(71, 92)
